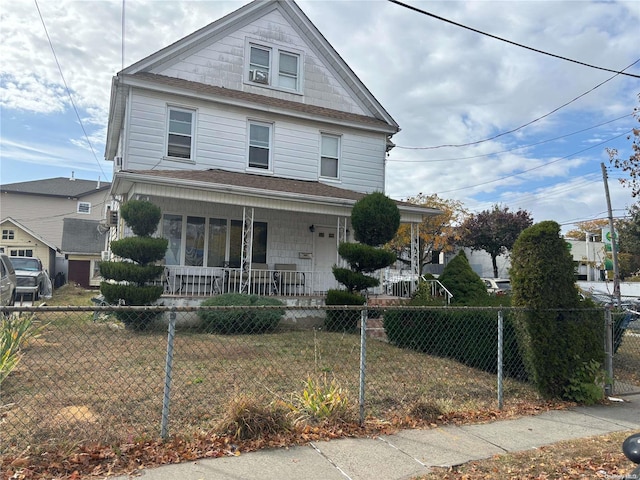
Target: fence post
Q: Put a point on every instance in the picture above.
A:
(363, 354)
(608, 351)
(500, 358)
(164, 430)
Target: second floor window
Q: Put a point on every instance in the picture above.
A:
(329, 156)
(8, 234)
(180, 133)
(259, 145)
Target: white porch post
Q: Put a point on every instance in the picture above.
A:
(341, 237)
(415, 255)
(247, 249)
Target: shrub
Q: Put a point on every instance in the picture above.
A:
(323, 400)
(556, 333)
(248, 419)
(15, 331)
(241, 320)
(128, 280)
(470, 337)
(343, 320)
(375, 219)
(460, 279)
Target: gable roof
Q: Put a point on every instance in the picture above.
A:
(223, 26)
(82, 236)
(254, 10)
(56, 187)
(29, 232)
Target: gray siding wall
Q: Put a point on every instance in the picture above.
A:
(43, 215)
(222, 64)
(221, 141)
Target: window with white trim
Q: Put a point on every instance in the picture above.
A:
(22, 252)
(329, 155)
(8, 234)
(275, 67)
(180, 133)
(84, 207)
(260, 145)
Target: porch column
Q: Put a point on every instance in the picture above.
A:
(415, 255)
(340, 238)
(247, 249)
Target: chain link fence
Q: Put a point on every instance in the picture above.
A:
(86, 378)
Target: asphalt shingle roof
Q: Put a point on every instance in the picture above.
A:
(56, 187)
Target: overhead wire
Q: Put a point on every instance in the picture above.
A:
(68, 91)
(437, 17)
(513, 130)
(538, 166)
(521, 147)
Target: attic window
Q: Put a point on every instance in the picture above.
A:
(269, 65)
(84, 208)
(8, 234)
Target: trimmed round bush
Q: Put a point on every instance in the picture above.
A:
(238, 320)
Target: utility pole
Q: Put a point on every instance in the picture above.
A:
(614, 249)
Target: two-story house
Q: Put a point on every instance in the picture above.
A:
(37, 214)
(255, 139)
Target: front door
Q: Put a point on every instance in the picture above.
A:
(325, 254)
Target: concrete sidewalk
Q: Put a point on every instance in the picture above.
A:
(409, 453)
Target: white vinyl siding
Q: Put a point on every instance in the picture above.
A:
(180, 133)
(223, 142)
(329, 155)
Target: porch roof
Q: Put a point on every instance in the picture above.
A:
(248, 189)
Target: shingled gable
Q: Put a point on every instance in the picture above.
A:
(157, 62)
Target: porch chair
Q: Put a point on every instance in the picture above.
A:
(287, 279)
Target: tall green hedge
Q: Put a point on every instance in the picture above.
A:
(468, 336)
(559, 334)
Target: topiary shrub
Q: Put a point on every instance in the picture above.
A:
(375, 219)
(128, 281)
(343, 320)
(460, 279)
(558, 334)
(234, 321)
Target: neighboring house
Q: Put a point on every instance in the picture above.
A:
(83, 242)
(17, 240)
(589, 257)
(40, 205)
(255, 139)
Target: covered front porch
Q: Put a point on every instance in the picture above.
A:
(247, 233)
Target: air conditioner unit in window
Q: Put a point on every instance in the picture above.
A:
(104, 256)
(258, 76)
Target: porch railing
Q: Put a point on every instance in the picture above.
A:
(183, 281)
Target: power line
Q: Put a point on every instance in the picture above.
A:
(537, 167)
(621, 72)
(505, 151)
(513, 130)
(86, 136)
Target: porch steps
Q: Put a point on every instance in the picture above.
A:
(375, 326)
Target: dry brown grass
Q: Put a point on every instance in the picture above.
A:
(107, 382)
(595, 457)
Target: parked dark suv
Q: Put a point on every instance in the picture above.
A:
(32, 277)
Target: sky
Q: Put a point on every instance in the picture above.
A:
(520, 129)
